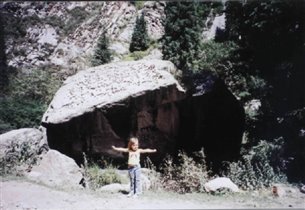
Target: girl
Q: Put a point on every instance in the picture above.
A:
(134, 167)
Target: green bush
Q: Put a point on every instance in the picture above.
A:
(99, 178)
(254, 170)
(185, 176)
(153, 176)
(95, 177)
(223, 59)
(29, 95)
(18, 113)
(37, 84)
(214, 56)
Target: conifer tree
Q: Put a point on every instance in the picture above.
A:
(182, 34)
(102, 54)
(139, 40)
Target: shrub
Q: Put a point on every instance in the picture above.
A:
(223, 59)
(99, 178)
(36, 84)
(95, 177)
(153, 176)
(20, 113)
(20, 157)
(185, 176)
(214, 55)
(254, 170)
(29, 94)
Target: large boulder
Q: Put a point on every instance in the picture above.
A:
(34, 138)
(56, 170)
(104, 105)
(106, 85)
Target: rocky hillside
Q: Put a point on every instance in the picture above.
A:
(63, 34)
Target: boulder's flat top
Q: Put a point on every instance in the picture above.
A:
(106, 84)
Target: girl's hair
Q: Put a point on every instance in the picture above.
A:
(132, 141)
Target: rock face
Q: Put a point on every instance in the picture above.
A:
(63, 35)
(103, 106)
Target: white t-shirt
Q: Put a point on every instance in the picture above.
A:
(133, 157)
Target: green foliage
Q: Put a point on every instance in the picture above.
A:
(215, 56)
(254, 170)
(29, 95)
(153, 176)
(185, 176)
(20, 113)
(183, 27)
(102, 54)
(138, 4)
(95, 177)
(139, 39)
(36, 85)
(99, 178)
(271, 37)
(136, 55)
(222, 60)
(20, 157)
(182, 34)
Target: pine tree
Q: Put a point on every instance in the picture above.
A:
(139, 40)
(182, 34)
(102, 54)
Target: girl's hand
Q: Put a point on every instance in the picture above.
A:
(113, 147)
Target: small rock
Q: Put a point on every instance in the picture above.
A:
(220, 182)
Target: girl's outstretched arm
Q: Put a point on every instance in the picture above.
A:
(147, 150)
(120, 149)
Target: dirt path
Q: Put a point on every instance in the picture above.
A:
(21, 194)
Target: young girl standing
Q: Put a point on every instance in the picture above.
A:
(134, 167)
